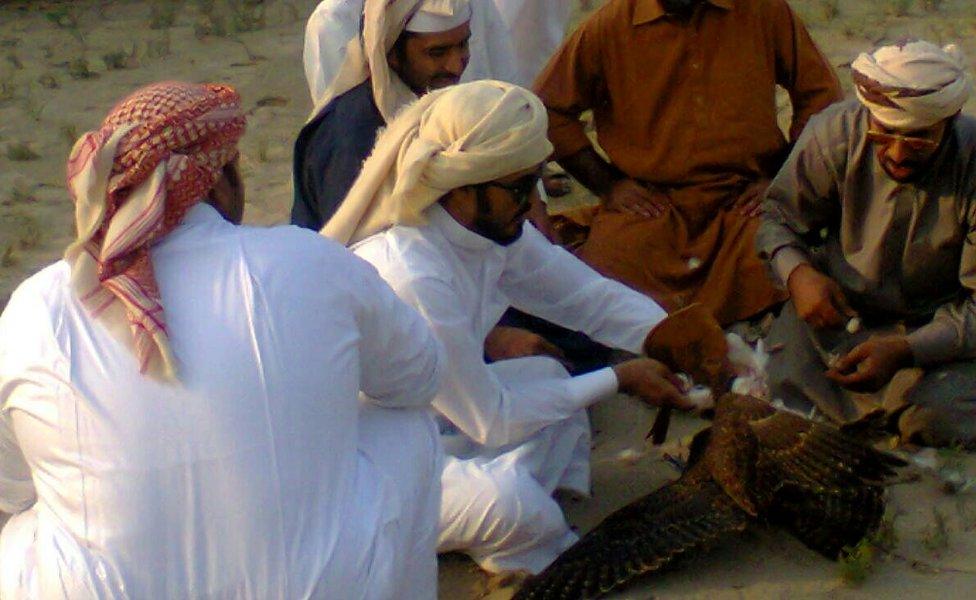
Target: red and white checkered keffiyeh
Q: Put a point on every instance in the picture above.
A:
(159, 152)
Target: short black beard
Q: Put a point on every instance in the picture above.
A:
(486, 227)
(679, 8)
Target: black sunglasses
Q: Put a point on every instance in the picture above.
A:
(521, 190)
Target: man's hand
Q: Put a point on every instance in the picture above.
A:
(818, 299)
(872, 364)
(652, 382)
(749, 204)
(628, 196)
(504, 343)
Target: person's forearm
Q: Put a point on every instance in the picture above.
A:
(590, 169)
(947, 337)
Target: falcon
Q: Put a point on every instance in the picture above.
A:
(755, 464)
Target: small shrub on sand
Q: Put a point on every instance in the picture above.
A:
(15, 61)
(48, 81)
(830, 9)
(898, 8)
(120, 59)
(115, 60)
(9, 258)
(64, 17)
(8, 90)
(162, 15)
(30, 233)
(69, 133)
(21, 152)
(21, 194)
(79, 69)
(212, 21)
(160, 46)
(247, 15)
(857, 562)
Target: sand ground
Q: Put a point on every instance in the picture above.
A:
(63, 65)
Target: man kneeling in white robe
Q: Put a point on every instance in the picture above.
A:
(439, 209)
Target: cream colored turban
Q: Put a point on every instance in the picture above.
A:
(912, 85)
(461, 135)
(434, 16)
(383, 22)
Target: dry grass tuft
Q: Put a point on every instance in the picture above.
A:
(898, 8)
(8, 90)
(830, 9)
(857, 562)
(247, 15)
(69, 133)
(21, 194)
(160, 47)
(79, 69)
(21, 152)
(48, 81)
(162, 15)
(9, 257)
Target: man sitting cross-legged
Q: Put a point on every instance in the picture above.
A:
(874, 214)
(181, 415)
(440, 210)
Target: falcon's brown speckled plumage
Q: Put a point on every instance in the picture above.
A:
(754, 463)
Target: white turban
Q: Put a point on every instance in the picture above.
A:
(457, 136)
(912, 85)
(383, 22)
(435, 16)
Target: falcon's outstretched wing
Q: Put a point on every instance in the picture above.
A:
(676, 520)
(820, 483)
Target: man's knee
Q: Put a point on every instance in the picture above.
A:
(942, 408)
(504, 506)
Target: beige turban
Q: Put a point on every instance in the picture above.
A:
(383, 22)
(461, 135)
(912, 85)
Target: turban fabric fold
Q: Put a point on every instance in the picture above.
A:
(912, 85)
(159, 152)
(461, 135)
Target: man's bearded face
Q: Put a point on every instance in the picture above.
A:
(906, 155)
(430, 61)
(679, 8)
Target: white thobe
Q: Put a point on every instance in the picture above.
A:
(334, 22)
(536, 29)
(517, 429)
(260, 474)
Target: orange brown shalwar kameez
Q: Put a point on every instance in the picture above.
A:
(689, 109)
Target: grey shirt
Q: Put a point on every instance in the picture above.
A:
(900, 251)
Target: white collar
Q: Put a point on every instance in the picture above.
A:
(456, 233)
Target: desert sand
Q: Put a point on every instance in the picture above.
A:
(64, 64)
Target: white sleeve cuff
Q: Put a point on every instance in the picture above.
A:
(588, 388)
(785, 260)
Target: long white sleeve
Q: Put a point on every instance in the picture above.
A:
(545, 280)
(474, 398)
